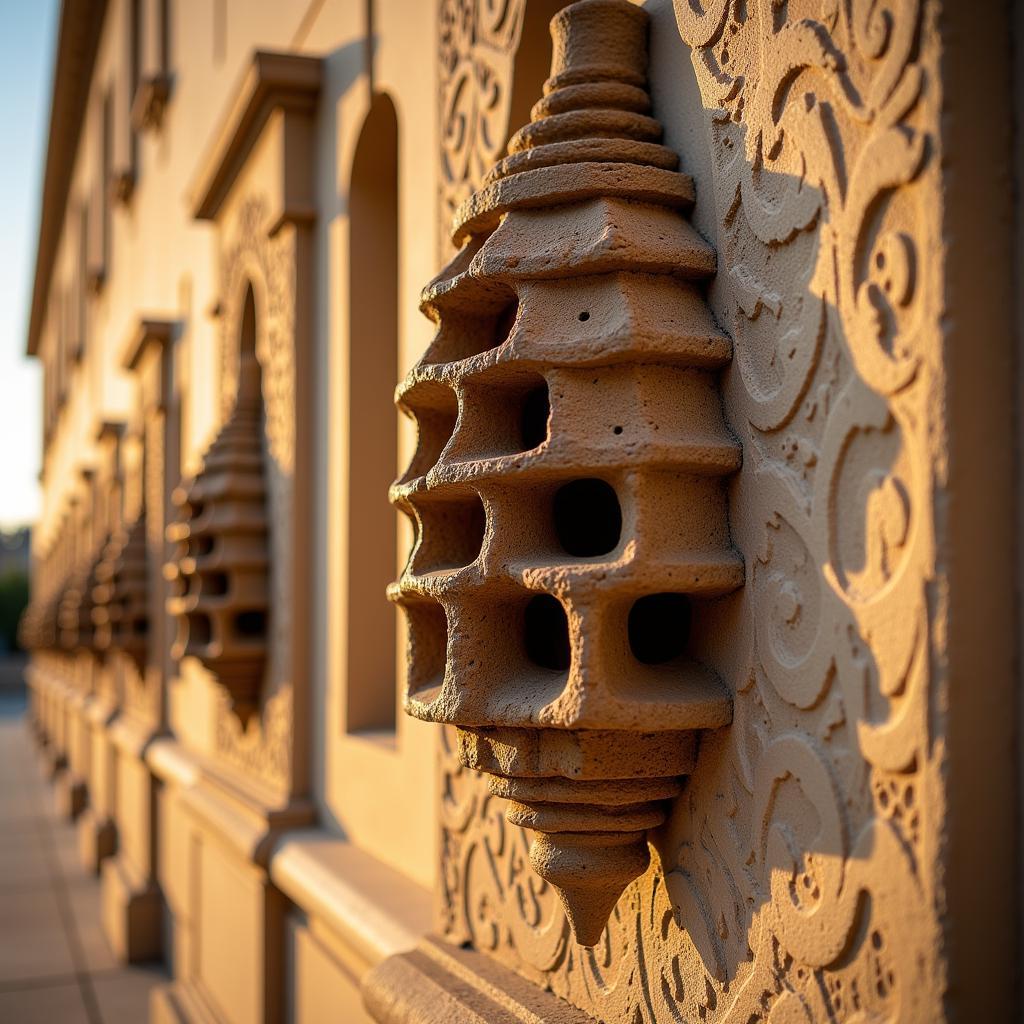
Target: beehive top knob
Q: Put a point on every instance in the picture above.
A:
(598, 40)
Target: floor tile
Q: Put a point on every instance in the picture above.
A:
(62, 837)
(24, 858)
(33, 943)
(123, 995)
(83, 896)
(49, 1004)
(52, 947)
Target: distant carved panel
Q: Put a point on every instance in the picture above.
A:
(262, 745)
(797, 875)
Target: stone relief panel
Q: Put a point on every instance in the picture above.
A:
(477, 45)
(261, 746)
(795, 878)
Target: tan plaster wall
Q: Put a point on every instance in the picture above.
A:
(313, 971)
(164, 263)
(401, 761)
(802, 874)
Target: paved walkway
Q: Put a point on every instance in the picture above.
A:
(55, 965)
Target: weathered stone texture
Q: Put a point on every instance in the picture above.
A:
(796, 876)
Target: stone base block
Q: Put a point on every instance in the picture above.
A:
(132, 913)
(436, 983)
(70, 796)
(97, 839)
(54, 762)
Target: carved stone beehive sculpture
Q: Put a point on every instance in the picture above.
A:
(75, 611)
(120, 611)
(49, 623)
(30, 633)
(221, 564)
(568, 487)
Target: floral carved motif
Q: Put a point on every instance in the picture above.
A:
(478, 43)
(795, 877)
(261, 748)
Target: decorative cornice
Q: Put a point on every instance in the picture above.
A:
(273, 81)
(81, 25)
(150, 101)
(109, 428)
(146, 332)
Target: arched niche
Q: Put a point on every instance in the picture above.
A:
(373, 203)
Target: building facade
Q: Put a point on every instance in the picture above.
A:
(680, 683)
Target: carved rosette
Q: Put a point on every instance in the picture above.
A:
(568, 486)
(220, 570)
(120, 612)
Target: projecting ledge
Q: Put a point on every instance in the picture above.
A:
(370, 908)
(441, 984)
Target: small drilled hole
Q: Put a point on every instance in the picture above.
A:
(616, 430)
(588, 520)
(584, 316)
(659, 628)
(250, 624)
(215, 583)
(547, 633)
(534, 419)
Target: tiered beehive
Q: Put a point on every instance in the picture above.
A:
(120, 611)
(48, 638)
(221, 564)
(42, 628)
(568, 487)
(30, 633)
(75, 611)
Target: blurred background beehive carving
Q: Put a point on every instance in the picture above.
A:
(221, 564)
(120, 612)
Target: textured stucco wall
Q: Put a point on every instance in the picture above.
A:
(819, 864)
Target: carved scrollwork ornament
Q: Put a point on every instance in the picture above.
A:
(477, 45)
(793, 881)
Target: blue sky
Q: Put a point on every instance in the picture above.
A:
(27, 43)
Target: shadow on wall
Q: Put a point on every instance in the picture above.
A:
(793, 868)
